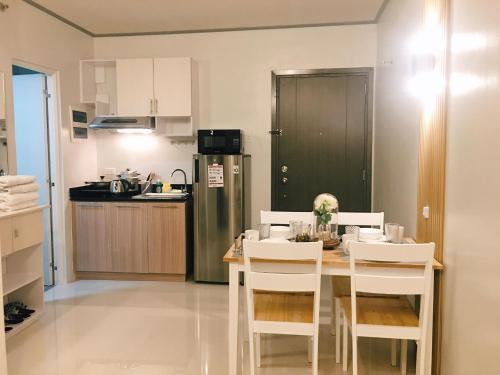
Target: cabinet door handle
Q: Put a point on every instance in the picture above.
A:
(156, 106)
(16, 233)
(151, 109)
(91, 205)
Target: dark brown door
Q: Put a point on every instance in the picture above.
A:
(322, 141)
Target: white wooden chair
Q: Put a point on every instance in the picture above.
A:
(388, 317)
(276, 300)
(284, 217)
(341, 286)
(374, 219)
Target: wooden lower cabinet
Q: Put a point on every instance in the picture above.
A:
(128, 241)
(113, 238)
(167, 238)
(90, 240)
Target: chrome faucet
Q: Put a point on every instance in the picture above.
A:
(185, 179)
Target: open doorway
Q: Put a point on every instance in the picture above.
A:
(31, 92)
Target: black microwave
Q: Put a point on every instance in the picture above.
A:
(220, 141)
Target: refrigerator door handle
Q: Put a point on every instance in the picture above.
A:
(196, 171)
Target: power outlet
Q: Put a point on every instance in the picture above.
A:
(426, 212)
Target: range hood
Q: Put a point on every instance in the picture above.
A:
(123, 123)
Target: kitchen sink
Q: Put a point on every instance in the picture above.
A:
(169, 195)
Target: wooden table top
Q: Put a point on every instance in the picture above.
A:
(337, 258)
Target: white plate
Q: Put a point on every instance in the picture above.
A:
(380, 240)
(280, 232)
(275, 240)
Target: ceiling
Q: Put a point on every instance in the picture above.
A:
(125, 17)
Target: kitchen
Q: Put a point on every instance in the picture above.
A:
(124, 296)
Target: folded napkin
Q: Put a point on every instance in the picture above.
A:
(8, 181)
(19, 189)
(16, 207)
(15, 199)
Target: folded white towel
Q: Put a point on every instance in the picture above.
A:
(17, 207)
(8, 181)
(14, 199)
(18, 189)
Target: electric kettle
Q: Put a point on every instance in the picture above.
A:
(119, 186)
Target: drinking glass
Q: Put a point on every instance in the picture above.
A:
(352, 229)
(391, 232)
(264, 231)
(305, 229)
(295, 228)
(238, 246)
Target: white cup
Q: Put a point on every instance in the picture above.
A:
(346, 238)
(252, 235)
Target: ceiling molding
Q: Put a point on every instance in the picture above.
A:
(199, 31)
(381, 10)
(60, 18)
(221, 30)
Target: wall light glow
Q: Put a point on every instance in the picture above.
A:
(139, 142)
(134, 131)
(426, 86)
(467, 42)
(461, 83)
(429, 41)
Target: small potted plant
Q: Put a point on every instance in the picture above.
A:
(326, 207)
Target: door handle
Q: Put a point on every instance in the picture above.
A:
(276, 132)
(156, 106)
(284, 168)
(151, 108)
(284, 180)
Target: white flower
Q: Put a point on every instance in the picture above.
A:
(328, 201)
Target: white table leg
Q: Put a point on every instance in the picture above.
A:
(233, 317)
(428, 349)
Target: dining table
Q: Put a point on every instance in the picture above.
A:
(335, 263)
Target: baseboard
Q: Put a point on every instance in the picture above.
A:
(129, 276)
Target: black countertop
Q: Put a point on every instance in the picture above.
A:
(90, 193)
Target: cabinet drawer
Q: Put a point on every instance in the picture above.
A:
(6, 236)
(27, 230)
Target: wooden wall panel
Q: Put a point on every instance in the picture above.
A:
(432, 162)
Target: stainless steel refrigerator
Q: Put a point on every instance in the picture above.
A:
(221, 189)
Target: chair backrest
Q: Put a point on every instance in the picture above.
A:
(411, 277)
(272, 277)
(361, 219)
(284, 217)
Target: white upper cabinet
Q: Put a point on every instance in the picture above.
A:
(134, 87)
(172, 87)
(166, 88)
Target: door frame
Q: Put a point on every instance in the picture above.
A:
(56, 165)
(368, 72)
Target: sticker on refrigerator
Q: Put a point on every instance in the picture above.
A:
(215, 176)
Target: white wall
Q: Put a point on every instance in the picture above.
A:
(30, 35)
(235, 87)
(471, 317)
(397, 116)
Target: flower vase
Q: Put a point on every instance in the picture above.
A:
(323, 231)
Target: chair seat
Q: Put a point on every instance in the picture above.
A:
(284, 307)
(381, 311)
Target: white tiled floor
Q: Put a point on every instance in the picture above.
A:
(153, 328)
